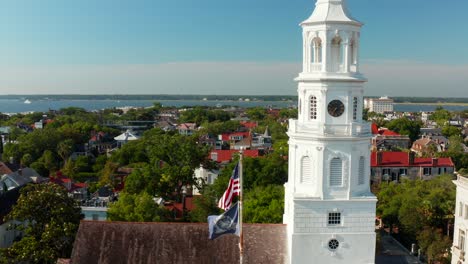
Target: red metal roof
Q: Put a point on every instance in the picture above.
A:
(386, 132)
(249, 124)
(401, 159)
(226, 155)
(227, 136)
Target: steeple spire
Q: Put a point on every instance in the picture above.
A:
(331, 11)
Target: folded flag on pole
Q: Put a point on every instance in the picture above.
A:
(227, 223)
(232, 190)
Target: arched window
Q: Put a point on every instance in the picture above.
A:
(336, 53)
(316, 50)
(361, 176)
(313, 107)
(306, 171)
(336, 172)
(355, 108)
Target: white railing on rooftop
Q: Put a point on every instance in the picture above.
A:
(353, 129)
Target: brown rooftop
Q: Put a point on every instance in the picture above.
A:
(184, 243)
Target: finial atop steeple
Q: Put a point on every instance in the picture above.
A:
(331, 11)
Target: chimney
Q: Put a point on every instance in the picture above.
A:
(411, 156)
(435, 162)
(379, 157)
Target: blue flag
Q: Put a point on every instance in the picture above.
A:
(227, 223)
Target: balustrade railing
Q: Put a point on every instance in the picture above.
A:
(316, 67)
(354, 129)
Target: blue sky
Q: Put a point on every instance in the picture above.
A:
(220, 47)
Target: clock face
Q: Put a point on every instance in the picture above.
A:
(336, 108)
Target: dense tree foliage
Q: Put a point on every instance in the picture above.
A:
(256, 113)
(201, 115)
(165, 162)
(137, 208)
(449, 131)
(264, 204)
(50, 218)
(441, 116)
(405, 126)
(422, 210)
(456, 152)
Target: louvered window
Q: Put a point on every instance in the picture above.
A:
(336, 172)
(361, 177)
(306, 171)
(355, 108)
(313, 107)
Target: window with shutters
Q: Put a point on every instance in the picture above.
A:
(306, 171)
(313, 107)
(361, 178)
(336, 172)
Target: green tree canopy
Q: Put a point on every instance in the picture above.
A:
(418, 206)
(256, 113)
(405, 126)
(264, 204)
(137, 208)
(449, 131)
(52, 219)
(441, 116)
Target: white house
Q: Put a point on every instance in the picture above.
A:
(329, 209)
(204, 176)
(461, 221)
(126, 137)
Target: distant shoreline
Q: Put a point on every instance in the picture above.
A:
(439, 104)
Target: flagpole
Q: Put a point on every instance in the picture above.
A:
(241, 193)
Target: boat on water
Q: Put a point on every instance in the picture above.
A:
(27, 101)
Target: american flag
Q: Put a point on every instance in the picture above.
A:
(232, 190)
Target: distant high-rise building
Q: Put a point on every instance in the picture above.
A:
(380, 105)
(329, 209)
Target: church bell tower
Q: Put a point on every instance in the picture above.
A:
(329, 209)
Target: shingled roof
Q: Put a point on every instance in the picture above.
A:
(176, 243)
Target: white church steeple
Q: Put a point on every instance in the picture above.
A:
(329, 209)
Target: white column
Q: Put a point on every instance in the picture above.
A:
(347, 56)
(305, 62)
(325, 52)
(356, 43)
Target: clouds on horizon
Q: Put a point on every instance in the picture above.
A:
(393, 78)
